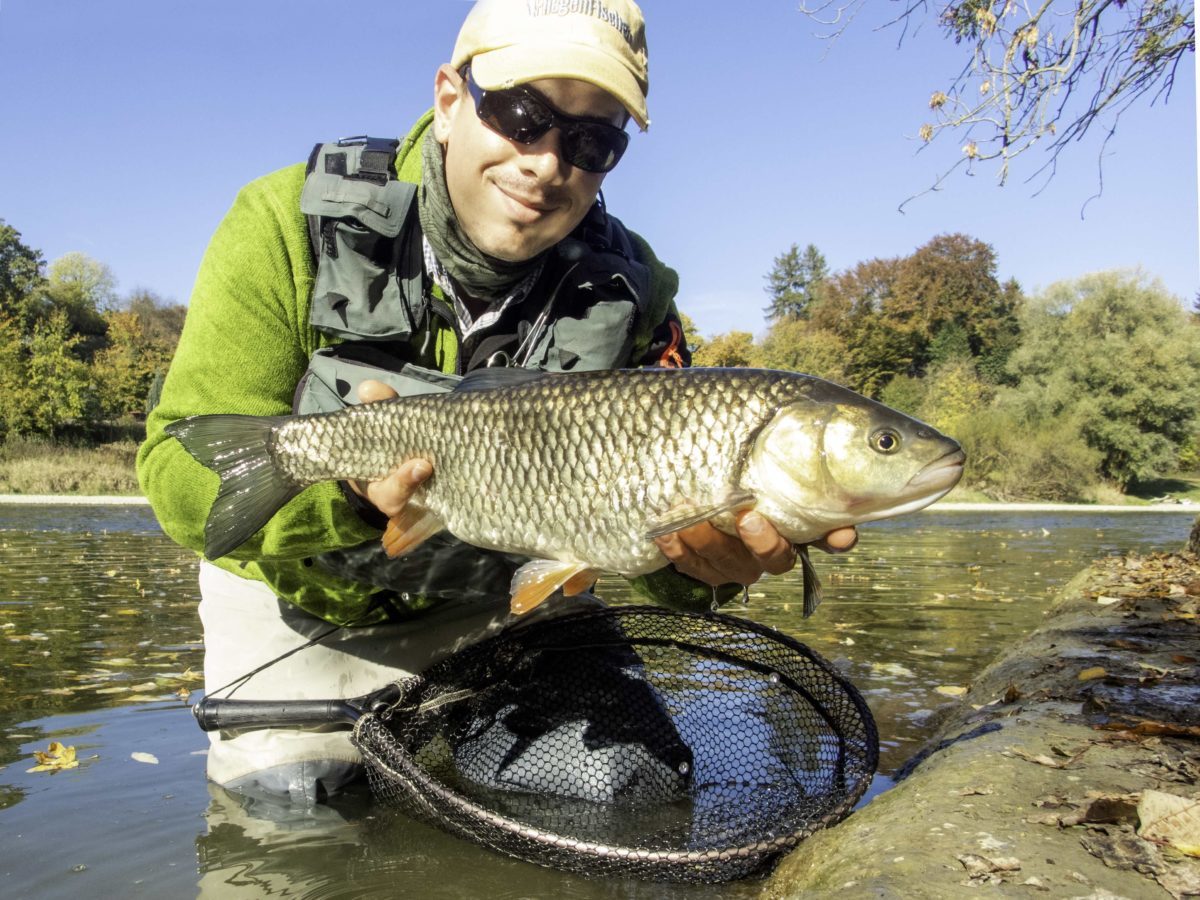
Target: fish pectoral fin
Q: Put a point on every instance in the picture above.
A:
(410, 530)
(686, 515)
(812, 584)
(539, 578)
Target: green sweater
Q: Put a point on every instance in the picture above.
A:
(245, 345)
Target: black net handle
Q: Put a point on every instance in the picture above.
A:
(217, 714)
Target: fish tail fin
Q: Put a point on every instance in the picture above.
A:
(812, 584)
(238, 449)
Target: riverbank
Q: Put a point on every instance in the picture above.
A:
(1051, 776)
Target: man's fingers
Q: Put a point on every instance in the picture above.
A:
(772, 549)
(390, 495)
(372, 391)
(710, 555)
(838, 541)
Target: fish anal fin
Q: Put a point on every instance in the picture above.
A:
(539, 578)
(411, 528)
(685, 515)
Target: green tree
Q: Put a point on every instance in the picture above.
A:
(83, 289)
(736, 348)
(797, 346)
(794, 282)
(44, 386)
(21, 276)
(1114, 353)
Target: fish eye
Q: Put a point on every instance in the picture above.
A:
(884, 441)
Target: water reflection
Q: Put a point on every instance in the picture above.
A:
(98, 635)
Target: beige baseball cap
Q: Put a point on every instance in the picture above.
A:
(602, 42)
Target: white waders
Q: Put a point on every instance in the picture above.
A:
(246, 625)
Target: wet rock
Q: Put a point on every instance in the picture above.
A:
(1032, 784)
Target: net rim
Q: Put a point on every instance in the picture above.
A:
(434, 797)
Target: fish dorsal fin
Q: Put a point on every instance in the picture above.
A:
(684, 515)
(497, 377)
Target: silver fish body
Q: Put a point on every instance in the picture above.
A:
(584, 470)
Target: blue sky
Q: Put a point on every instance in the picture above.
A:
(129, 125)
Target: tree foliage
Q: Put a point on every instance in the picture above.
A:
(735, 348)
(21, 275)
(72, 354)
(1115, 353)
(1043, 73)
(794, 282)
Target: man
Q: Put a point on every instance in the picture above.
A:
(478, 240)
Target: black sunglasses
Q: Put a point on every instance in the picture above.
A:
(521, 115)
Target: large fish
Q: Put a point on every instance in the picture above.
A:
(582, 471)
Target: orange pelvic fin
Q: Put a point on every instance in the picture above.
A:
(410, 529)
(537, 580)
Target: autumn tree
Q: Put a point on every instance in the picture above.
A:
(794, 282)
(947, 295)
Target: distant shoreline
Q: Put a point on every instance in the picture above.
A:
(950, 507)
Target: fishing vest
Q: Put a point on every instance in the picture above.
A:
(588, 309)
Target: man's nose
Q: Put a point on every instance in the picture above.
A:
(543, 158)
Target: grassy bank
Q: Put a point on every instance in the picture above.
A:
(40, 467)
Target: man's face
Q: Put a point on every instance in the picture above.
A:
(516, 200)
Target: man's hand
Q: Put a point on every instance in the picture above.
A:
(718, 558)
(390, 494)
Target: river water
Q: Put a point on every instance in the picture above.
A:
(99, 646)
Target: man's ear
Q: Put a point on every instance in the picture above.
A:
(448, 90)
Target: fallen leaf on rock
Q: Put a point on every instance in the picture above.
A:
(141, 757)
(982, 865)
(1043, 760)
(1094, 672)
(950, 690)
(1172, 819)
(975, 791)
(1141, 727)
(54, 758)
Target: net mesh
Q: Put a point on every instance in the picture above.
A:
(627, 740)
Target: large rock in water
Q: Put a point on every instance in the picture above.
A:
(1032, 786)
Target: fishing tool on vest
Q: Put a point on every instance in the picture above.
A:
(629, 741)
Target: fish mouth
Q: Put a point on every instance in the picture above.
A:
(941, 474)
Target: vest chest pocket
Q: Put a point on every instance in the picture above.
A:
(356, 273)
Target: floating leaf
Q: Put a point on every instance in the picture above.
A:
(1170, 818)
(141, 757)
(54, 758)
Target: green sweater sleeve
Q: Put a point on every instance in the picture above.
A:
(245, 344)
